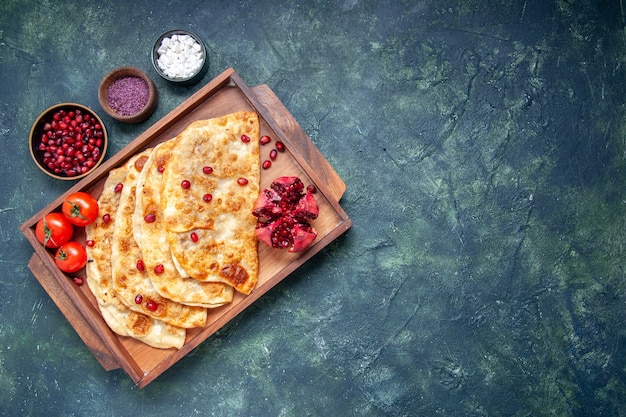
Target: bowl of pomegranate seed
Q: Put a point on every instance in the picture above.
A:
(180, 56)
(128, 95)
(68, 141)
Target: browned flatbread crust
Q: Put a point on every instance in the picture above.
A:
(118, 317)
(152, 239)
(226, 248)
(206, 247)
(129, 281)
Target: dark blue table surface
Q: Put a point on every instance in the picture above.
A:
(483, 145)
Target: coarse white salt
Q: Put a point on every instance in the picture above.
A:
(180, 56)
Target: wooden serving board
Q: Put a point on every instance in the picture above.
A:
(224, 94)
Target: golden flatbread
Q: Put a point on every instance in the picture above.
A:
(130, 280)
(181, 233)
(118, 317)
(152, 240)
(209, 187)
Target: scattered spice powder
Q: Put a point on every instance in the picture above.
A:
(128, 95)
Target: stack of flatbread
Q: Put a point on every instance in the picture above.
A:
(179, 231)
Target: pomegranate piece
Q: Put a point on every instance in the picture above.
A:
(285, 211)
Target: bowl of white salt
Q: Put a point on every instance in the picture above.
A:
(180, 56)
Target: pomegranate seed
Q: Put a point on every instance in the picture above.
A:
(76, 140)
(273, 154)
(280, 146)
(149, 218)
(312, 189)
(207, 170)
(152, 306)
(185, 184)
(161, 169)
(242, 181)
(90, 243)
(106, 218)
(266, 164)
(264, 140)
(78, 281)
(118, 187)
(141, 266)
(194, 237)
(159, 269)
(207, 197)
(138, 299)
(245, 138)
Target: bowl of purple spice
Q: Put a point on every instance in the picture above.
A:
(128, 95)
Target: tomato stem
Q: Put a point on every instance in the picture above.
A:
(47, 232)
(76, 210)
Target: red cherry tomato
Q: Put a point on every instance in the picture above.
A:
(80, 208)
(71, 257)
(53, 230)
